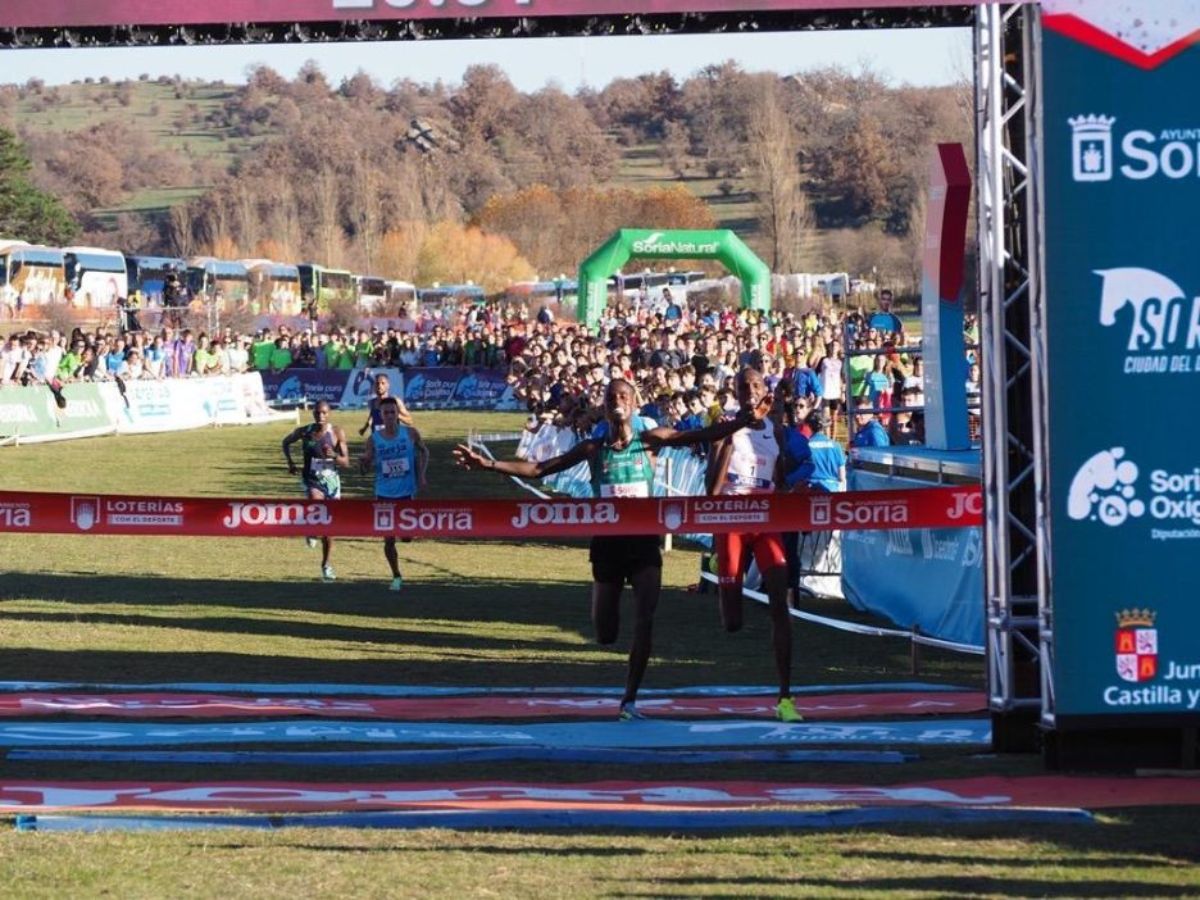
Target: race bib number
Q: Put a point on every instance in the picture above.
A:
(395, 468)
(635, 489)
(751, 480)
(319, 465)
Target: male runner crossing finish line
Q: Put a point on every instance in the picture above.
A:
(622, 465)
(750, 461)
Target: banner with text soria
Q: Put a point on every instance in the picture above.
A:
(81, 513)
(1122, 186)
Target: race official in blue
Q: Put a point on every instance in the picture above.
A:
(868, 431)
(818, 463)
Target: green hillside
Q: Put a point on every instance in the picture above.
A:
(162, 142)
(182, 117)
(187, 117)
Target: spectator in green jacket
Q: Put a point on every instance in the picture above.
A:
(281, 355)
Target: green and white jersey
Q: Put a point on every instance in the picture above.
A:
(624, 472)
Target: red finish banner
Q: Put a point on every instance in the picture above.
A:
(53, 513)
(92, 13)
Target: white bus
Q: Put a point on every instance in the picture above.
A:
(274, 287)
(29, 275)
(96, 277)
(372, 293)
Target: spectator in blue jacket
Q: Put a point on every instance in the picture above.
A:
(868, 432)
(820, 463)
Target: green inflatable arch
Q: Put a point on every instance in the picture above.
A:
(644, 243)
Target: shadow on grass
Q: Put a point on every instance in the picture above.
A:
(604, 852)
(385, 666)
(1105, 862)
(300, 630)
(472, 597)
(481, 631)
(989, 886)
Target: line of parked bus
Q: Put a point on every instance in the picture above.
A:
(95, 278)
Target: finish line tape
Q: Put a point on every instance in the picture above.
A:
(26, 512)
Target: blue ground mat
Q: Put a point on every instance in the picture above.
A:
(384, 690)
(643, 734)
(462, 755)
(686, 820)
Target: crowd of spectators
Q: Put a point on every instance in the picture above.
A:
(683, 369)
(680, 357)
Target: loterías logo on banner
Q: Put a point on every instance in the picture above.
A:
(1105, 490)
(1163, 322)
(1137, 155)
(126, 512)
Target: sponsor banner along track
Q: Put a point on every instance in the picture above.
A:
(274, 796)
(562, 819)
(204, 706)
(61, 513)
(643, 734)
(461, 690)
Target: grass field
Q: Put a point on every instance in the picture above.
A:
(172, 117)
(140, 610)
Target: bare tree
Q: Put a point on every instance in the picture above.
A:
(368, 203)
(326, 199)
(283, 212)
(247, 218)
(181, 230)
(774, 154)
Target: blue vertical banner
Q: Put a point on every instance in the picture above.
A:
(1121, 131)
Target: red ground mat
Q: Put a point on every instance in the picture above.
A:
(1035, 791)
(208, 706)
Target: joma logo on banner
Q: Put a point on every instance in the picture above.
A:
(1172, 152)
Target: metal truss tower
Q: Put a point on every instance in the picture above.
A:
(1012, 310)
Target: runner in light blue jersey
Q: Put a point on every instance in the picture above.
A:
(399, 458)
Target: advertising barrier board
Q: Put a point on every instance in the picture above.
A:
(1122, 172)
(30, 414)
(340, 388)
(931, 578)
(179, 404)
(436, 387)
(454, 388)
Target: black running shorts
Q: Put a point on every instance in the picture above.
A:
(616, 559)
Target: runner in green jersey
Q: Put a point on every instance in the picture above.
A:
(622, 465)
